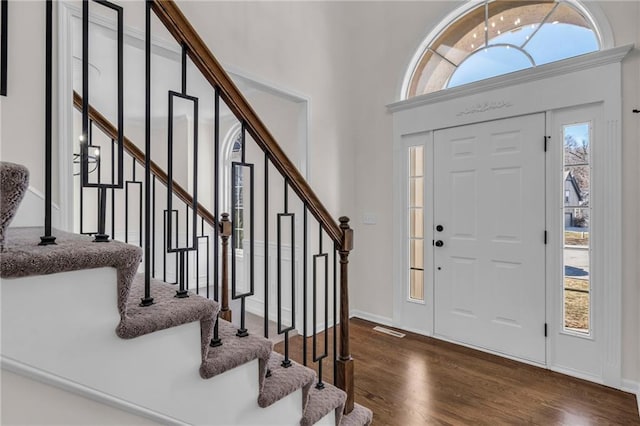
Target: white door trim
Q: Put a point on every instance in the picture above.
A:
(563, 84)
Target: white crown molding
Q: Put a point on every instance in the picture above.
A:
(578, 63)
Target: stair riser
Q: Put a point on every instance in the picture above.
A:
(64, 324)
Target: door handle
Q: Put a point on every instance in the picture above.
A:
(439, 228)
(439, 243)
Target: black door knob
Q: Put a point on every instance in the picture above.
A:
(439, 243)
(439, 228)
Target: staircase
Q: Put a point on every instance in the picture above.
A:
(59, 307)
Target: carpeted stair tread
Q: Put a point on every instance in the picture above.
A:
(321, 402)
(284, 381)
(234, 352)
(360, 416)
(14, 181)
(167, 311)
(23, 257)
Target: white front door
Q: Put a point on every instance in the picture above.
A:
(489, 236)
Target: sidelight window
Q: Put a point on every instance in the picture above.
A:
(577, 213)
(416, 222)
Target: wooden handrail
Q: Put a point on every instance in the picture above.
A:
(184, 33)
(111, 131)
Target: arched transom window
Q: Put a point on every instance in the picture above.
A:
(498, 37)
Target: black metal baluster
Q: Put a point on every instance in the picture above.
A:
(320, 357)
(186, 257)
(215, 340)
(164, 251)
(140, 218)
(166, 219)
(183, 281)
(98, 167)
(81, 203)
(147, 299)
(133, 181)
(235, 166)
(4, 10)
(304, 285)
(113, 191)
(335, 309)
(126, 202)
(101, 235)
(266, 245)
(153, 226)
(197, 261)
(47, 238)
(204, 237)
(181, 293)
(286, 363)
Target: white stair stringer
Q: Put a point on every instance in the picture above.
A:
(64, 325)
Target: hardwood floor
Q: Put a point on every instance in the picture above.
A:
(418, 380)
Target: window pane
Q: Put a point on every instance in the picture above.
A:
(513, 24)
(416, 161)
(489, 62)
(576, 193)
(416, 219)
(416, 192)
(417, 284)
(576, 311)
(565, 34)
(431, 75)
(576, 144)
(417, 254)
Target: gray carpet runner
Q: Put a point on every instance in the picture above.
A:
(284, 381)
(167, 311)
(22, 256)
(14, 181)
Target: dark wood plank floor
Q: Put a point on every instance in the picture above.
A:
(418, 380)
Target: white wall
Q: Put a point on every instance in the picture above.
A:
(296, 45)
(55, 406)
(22, 119)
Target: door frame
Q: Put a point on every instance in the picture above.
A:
(560, 85)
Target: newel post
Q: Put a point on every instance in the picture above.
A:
(225, 233)
(344, 363)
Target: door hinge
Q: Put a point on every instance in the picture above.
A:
(545, 329)
(545, 237)
(546, 142)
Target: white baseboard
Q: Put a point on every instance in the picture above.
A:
(630, 386)
(371, 317)
(41, 376)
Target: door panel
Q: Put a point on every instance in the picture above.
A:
(489, 196)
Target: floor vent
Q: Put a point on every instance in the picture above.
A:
(389, 332)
